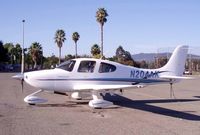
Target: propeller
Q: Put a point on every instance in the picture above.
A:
(22, 71)
(22, 64)
(22, 84)
(21, 78)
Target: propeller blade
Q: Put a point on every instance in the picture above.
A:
(21, 75)
(18, 76)
(22, 84)
(21, 78)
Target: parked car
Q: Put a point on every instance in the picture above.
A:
(187, 72)
(2, 67)
(9, 67)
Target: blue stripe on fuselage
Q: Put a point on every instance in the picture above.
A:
(108, 79)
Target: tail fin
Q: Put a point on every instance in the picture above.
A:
(176, 64)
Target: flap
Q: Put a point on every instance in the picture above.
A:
(103, 87)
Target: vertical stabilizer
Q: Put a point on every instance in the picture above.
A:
(176, 64)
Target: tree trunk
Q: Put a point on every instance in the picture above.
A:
(101, 40)
(35, 64)
(59, 54)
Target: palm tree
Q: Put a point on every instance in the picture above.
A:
(3, 53)
(101, 15)
(16, 54)
(10, 50)
(75, 37)
(95, 51)
(59, 40)
(35, 51)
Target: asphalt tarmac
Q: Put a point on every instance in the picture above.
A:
(144, 111)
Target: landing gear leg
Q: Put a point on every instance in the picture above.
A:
(171, 89)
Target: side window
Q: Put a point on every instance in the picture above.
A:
(105, 67)
(87, 66)
(68, 66)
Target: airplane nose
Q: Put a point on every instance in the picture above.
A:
(27, 76)
(18, 76)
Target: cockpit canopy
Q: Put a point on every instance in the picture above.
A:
(87, 66)
(68, 65)
(105, 67)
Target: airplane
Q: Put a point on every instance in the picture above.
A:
(98, 76)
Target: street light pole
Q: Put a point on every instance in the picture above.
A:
(22, 64)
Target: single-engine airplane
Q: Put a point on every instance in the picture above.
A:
(101, 76)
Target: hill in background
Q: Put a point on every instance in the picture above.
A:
(151, 56)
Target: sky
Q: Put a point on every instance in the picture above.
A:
(140, 26)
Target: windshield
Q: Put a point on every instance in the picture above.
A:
(68, 65)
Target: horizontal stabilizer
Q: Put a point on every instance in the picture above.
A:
(175, 77)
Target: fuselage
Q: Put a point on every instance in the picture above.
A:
(84, 71)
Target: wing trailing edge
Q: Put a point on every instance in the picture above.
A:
(105, 87)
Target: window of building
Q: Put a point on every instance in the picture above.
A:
(105, 67)
(87, 66)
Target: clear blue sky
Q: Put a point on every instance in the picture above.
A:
(137, 25)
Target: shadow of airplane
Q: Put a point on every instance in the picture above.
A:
(68, 104)
(197, 96)
(56, 105)
(145, 105)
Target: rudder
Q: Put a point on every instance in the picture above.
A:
(176, 64)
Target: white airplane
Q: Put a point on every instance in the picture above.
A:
(101, 76)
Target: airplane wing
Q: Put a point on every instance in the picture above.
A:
(136, 83)
(105, 87)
